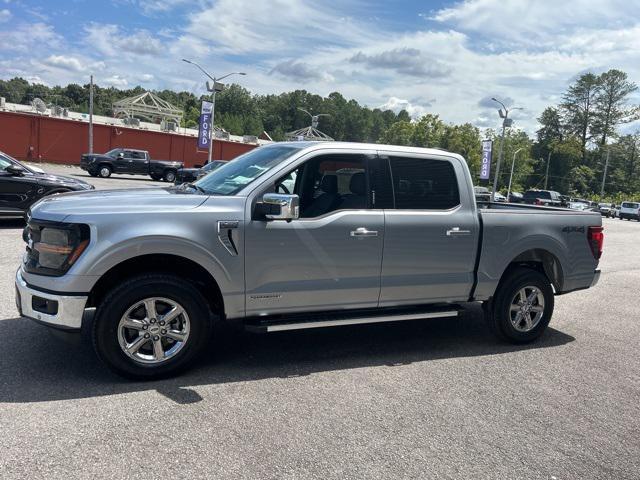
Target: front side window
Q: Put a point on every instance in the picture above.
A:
(232, 177)
(4, 163)
(328, 183)
(424, 184)
(113, 153)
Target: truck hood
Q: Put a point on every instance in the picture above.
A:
(76, 205)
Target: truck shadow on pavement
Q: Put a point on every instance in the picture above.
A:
(37, 366)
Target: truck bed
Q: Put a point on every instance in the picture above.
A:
(516, 232)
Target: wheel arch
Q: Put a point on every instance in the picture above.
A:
(160, 263)
(541, 260)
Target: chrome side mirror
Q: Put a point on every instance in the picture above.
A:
(280, 206)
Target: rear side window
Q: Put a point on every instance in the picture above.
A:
(630, 205)
(422, 184)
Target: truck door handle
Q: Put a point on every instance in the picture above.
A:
(456, 232)
(363, 232)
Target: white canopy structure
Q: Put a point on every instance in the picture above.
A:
(147, 106)
(310, 134)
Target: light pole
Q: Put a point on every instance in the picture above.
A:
(506, 122)
(511, 176)
(217, 87)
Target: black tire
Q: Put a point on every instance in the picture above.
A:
(116, 303)
(104, 171)
(169, 176)
(500, 311)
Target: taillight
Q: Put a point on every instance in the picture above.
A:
(595, 236)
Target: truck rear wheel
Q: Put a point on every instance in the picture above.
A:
(151, 326)
(522, 306)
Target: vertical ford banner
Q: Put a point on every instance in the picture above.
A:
(485, 166)
(205, 125)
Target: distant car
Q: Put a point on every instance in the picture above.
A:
(542, 197)
(130, 162)
(482, 194)
(630, 211)
(187, 175)
(498, 197)
(606, 209)
(578, 206)
(516, 197)
(565, 199)
(21, 186)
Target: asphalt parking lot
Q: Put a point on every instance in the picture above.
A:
(426, 399)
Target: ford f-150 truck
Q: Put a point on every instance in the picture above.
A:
(130, 162)
(292, 236)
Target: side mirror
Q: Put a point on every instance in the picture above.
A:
(15, 170)
(279, 206)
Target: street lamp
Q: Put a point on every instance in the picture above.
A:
(216, 87)
(506, 122)
(511, 176)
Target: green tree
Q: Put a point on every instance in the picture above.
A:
(578, 109)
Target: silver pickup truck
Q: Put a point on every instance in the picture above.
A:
(292, 236)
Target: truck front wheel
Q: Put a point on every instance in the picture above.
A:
(522, 307)
(170, 176)
(151, 326)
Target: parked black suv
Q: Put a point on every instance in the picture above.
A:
(21, 186)
(131, 162)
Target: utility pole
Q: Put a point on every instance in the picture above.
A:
(604, 174)
(546, 175)
(506, 122)
(91, 115)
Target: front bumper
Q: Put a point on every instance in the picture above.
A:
(68, 312)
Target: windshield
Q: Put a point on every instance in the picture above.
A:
(232, 177)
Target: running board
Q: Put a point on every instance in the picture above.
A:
(262, 326)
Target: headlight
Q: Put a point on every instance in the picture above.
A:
(52, 248)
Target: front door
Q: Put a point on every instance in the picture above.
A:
(16, 192)
(431, 233)
(329, 258)
(123, 161)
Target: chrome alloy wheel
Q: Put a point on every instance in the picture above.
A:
(153, 330)
(527, 309)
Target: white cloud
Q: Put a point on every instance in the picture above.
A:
(28, 38)
(61, 61)
(5, 15)
(532, 22)
(111, 40)
(115, 81)
(397, 104)
(273, 26)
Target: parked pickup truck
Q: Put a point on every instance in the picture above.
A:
(292, 236)
(129, 161)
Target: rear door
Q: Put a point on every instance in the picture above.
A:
(431, 231)
(139, 162)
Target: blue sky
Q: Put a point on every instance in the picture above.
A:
(442, 57)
